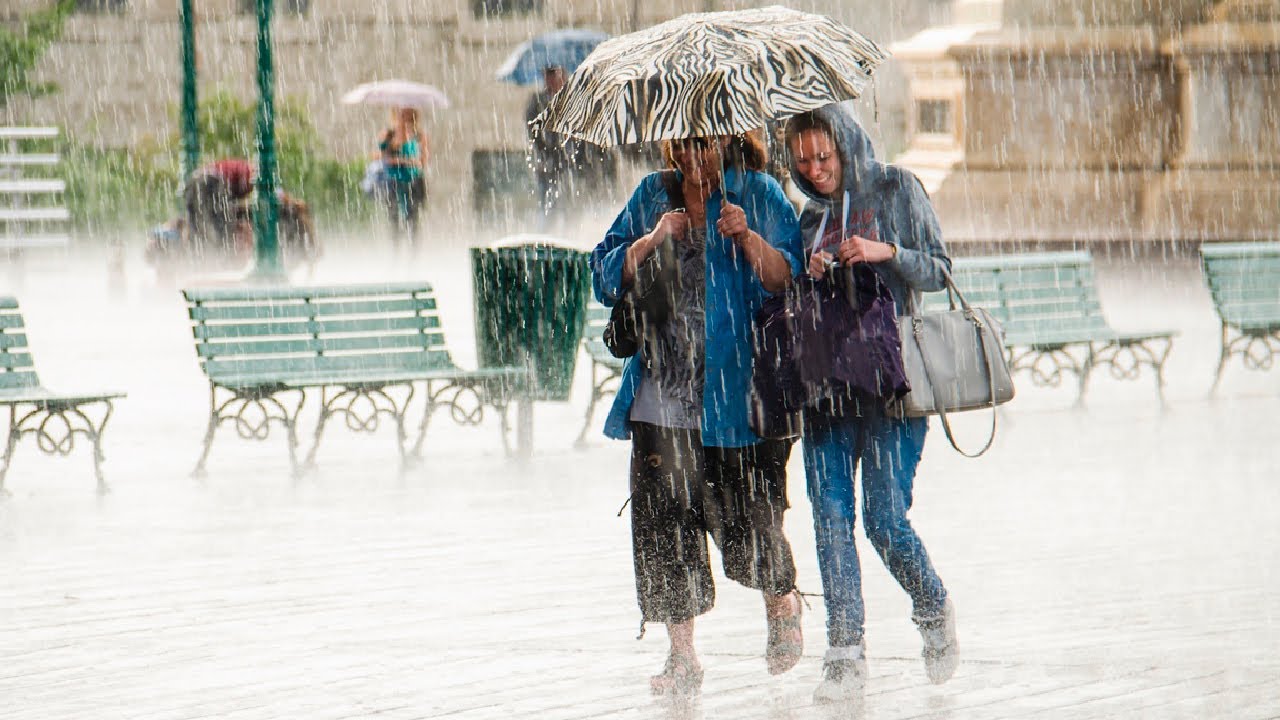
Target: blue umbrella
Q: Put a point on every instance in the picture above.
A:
(566, 48)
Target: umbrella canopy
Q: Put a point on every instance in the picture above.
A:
(396, 93)
(566, 48)
(701, 74)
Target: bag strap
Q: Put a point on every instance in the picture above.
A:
(917, 331)
(675, 191)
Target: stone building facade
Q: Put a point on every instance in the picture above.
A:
(1073, 121)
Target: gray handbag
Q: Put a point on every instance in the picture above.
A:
(955, 361)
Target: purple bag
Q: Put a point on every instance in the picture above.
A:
(846, 335)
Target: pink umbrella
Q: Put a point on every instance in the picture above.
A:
(397, 93)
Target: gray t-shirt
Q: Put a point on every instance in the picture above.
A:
(671, 394)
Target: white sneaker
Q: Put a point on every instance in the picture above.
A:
(844, 675)
(941, 649)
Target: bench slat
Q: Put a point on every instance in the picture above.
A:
(18, 379)
(1032, 270)
(286, 311)
(1252, 314)
(317, 345)
(29, 132)
(30, 242)
(11, 340)
(1214, 251)
(265, 294)
(32, 186)
(15, 360)
(354, 378)
(365, 363)
(33, 214)
(1244, 264)
(29, 159)
(1025, 260)
(1033, 309)
(10, 322)
(205, 331)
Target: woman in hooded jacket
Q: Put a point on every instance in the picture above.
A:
(697, 469)
(862, 211)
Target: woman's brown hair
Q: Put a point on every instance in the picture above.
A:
(746, 151)
(804, 122)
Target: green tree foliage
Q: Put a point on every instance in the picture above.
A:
(22, 47)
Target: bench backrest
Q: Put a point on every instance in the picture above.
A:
(256, 331)
(1244, 280)
(32, 212)
(17, 369)
(1033, 295)
(593, 333)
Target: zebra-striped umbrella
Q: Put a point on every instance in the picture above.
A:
(702, 74)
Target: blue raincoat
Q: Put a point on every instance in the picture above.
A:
(733, 296)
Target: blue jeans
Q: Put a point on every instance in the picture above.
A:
(889, 449)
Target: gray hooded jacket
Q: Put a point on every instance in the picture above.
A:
(885, 203)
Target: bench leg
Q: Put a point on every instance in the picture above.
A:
(427, 412)
(1222, 362)
(291, 429)
(599, 389)
(506, 430)
(209, 432)
(524, 427)
(362, 406)
(55, 427)
(1157, 364)
(9, 445)
(402, 437)
(596, 394)
(253, 426)
(95, 434)
(1084, 371)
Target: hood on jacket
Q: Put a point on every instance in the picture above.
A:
(859, 169)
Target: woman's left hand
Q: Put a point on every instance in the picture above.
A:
(733, 222)
(857, 249)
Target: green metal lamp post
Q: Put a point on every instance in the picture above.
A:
(269, 267)
(190, 130)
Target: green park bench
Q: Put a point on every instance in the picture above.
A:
(1244, 280)
(1052, 318)
(606, 370)
(363, 347)
(54, 418)
(32, 213)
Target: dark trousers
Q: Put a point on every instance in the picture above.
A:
(404, 200)
(681, 492)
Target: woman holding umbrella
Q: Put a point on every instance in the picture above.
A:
(696, 466)
(402, 148)
(404, 151)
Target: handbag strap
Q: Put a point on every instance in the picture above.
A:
(917, 330)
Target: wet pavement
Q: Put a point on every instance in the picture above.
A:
(1117, 560)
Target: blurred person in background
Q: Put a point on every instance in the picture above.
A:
(404, 150)
(217, 198)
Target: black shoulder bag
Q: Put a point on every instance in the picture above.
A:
(652, 296)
